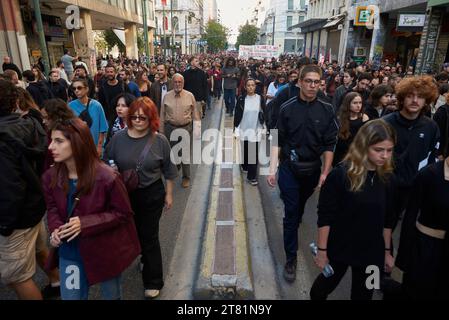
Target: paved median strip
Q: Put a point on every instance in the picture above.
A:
(225, 264)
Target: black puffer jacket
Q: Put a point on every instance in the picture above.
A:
(22, 203)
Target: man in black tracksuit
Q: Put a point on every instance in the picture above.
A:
(195, 81)
(307, 130)
(417, 135)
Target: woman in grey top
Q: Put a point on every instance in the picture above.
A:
(149, 198)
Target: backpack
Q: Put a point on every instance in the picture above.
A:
(85, 116)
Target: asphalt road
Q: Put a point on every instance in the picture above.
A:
(170, 224)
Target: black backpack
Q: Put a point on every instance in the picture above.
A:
(85, 116)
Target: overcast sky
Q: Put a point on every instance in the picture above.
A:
(233, 14)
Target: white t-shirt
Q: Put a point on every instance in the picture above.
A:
(249, 128)
(271, 91)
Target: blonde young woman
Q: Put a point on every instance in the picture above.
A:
(355, 213)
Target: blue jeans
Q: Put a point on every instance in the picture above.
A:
(229, 98)
(294, 194)
(74, 285)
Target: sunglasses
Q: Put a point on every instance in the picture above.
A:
(135, 118)
(78, 88)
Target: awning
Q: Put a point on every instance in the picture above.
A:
(333, 23)
(120, 34)
(433, 3)
(307, 23)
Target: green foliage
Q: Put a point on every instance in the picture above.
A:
(140, 42)
(112, 40)
(247, 35)
(216, 36)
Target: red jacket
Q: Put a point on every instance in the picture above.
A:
(108, 240)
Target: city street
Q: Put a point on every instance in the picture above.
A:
(360, 87)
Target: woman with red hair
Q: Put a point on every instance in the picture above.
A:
(89, 215)
(141, 143)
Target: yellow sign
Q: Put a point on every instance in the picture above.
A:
(36, 53)
(363, 16)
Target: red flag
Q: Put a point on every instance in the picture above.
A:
(165, 23)
(164, 2)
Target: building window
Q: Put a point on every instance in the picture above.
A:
(289, 22)
(302, 3)
(301, 19)
(175, 4)
(175, 24)
(290, 4)
(151, 10)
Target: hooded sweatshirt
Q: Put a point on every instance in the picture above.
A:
(22, 203)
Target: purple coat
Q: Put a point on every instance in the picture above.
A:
(108, 240)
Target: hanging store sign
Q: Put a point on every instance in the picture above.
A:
(363, 16)
(411, 20)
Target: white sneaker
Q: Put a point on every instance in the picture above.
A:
(151, 293)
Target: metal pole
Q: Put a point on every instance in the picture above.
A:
(274, 24)
(172, 30)
(186, 35)
(145, 30)
(163, 28)
(40, 31)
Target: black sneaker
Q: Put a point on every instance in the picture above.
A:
(290, 271)
(51, 293)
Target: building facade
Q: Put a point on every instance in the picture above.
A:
(181, 25)
(322, 28)
(369, 30)
(19, 38)
(434, 44)
(276, 28)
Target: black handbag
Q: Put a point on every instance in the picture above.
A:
(131, 177)
(304, 168)
(85, 116)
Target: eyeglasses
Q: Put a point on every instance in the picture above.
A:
(78, 88)
(310, 81)
(135, 118)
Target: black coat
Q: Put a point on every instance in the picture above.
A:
(22, 203)
(12, 66)
(195, 81)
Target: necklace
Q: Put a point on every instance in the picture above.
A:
(372, 178)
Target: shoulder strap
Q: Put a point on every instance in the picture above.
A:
(88, 104)
(446, 147)
(145, 151)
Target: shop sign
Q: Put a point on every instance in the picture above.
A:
(411, 20)
(363, 16)
(36, 53)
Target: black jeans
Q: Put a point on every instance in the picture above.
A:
(250, 158)
(323, 286)
(294, 193)
(147, 205)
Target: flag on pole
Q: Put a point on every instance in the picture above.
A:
(164, 2)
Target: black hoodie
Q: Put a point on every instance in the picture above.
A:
(22, 203)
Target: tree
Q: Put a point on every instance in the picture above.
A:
(247, 35)
(112, 40)
(216, 36)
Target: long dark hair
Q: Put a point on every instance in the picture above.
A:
(344, 115)
(84, 153)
